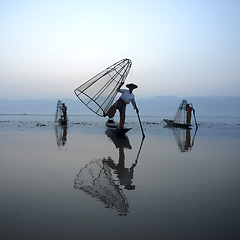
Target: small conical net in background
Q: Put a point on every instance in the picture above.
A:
(96, 179)
(181, 114)
(99, 92)
(58, 111)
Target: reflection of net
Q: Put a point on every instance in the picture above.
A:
(96, 180)
(61, 135)
(99, 92)
(183, 139)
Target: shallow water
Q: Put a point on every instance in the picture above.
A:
(81, 182)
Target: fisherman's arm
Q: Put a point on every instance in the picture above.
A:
(134, 105)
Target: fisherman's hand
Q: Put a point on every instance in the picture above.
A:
(137, 110)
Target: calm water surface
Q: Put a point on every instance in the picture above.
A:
(80, 182)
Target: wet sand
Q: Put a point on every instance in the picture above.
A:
(81, 182)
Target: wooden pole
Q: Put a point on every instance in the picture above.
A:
(140, 125)
(195, 118)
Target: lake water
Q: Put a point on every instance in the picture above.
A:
(80, 182)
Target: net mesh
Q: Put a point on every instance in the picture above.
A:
(184, 138)
(97, 180)
(99, 92)
(58, 111)
(180, 116)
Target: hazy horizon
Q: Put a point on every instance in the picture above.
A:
(155, 106)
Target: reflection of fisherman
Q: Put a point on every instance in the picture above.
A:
(64, 111)
(189, 110)
(188, 145)
(125, 175)
(61, 135)
(126, 97)
(64, 136)
(184, 139)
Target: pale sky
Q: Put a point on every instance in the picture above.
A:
(177, 47)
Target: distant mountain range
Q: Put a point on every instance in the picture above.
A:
(156, 106)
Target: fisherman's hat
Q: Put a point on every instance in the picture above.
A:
(131, 85)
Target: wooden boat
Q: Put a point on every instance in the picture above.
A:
(62, 121)
(114, 128)
(171, 123)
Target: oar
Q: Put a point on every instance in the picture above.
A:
(195, 118)
(140, 124)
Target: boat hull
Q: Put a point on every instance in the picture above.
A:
(62, 122)
(171, 123)
(115, 129)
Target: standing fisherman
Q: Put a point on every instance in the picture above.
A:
(189, 110)
(126, 97)
(64, 111)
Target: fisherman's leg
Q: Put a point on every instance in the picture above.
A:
(112, 110)
(188, 118)
(122, 111)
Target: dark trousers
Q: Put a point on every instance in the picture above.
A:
(189, 118)
(121, 106)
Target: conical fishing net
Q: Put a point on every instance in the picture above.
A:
(99, 92)
(58, 111)
(181, 114)
(96, 180)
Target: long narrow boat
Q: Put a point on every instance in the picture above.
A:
(171, 123)
(115, 129)
(62, 121)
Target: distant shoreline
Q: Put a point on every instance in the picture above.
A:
(93, 115)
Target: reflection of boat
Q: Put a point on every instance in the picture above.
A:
(61, 113)
(182, 118)
(183, 138)
(61, 134)
(119, 141)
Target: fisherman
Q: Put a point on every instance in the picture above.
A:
(64, 111)
(126, 97)
(189, 110)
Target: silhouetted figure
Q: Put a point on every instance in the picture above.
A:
(126, 97)
(189, 110)
(64, 112)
